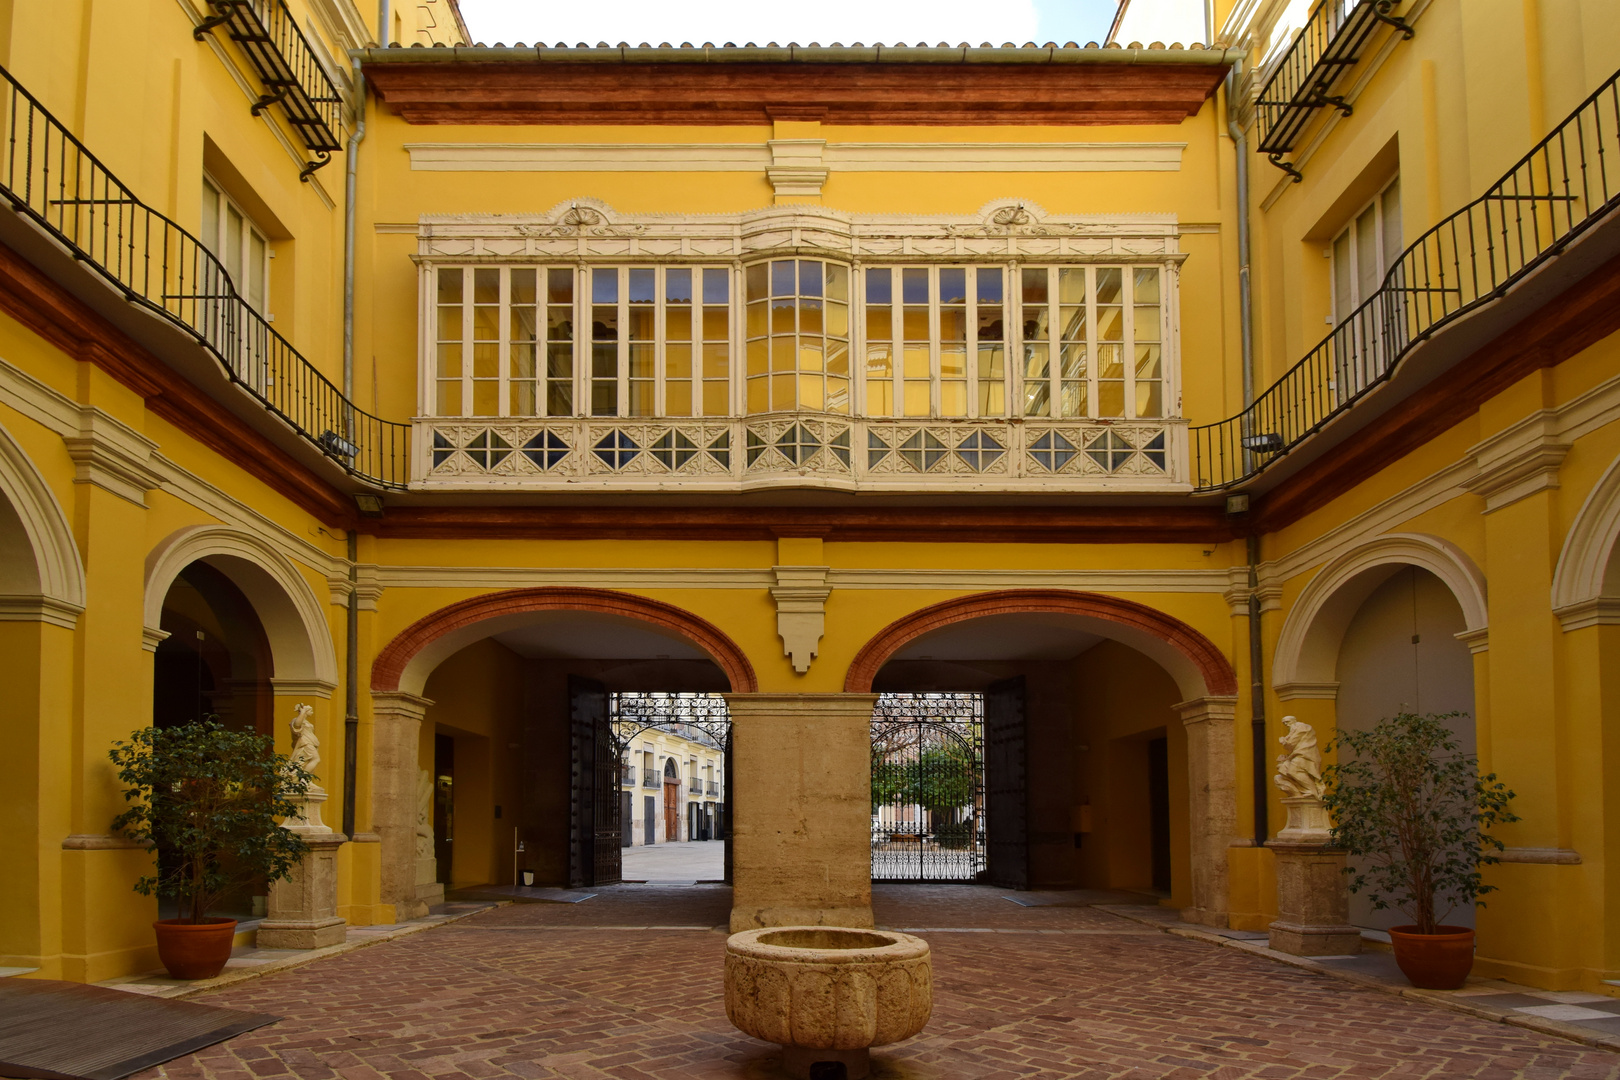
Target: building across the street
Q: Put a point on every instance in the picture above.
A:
(929, 462)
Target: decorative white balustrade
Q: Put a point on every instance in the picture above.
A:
(787, 450)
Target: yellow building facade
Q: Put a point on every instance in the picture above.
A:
(455, 390)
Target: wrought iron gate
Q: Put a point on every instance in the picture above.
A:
(701, 718)
(928, 812)
(594, 826)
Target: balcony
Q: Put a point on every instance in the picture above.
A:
(696, 787)
(286, 64)
(800, 450)
(1556, 195)
(713, 788)
(1307, 77)
(650, 778)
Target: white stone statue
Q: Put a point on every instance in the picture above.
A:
(424, 814)
(1299, 770)
(306, 749)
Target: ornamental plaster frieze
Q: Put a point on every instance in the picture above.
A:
(1006, 228)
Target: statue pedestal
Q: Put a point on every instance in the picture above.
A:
(303, 907)
(1313, 904)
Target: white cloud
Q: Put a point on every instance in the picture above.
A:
(737, 21)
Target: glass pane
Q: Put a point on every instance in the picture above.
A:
(716, 399)
(1342, 305)
(604, 398)
(952, 285)
(1037, 398)
(837, 319)
(678, 399)
(915, 321)
(988, 279)
(604, 323)
(914, 285)
(520, 326)
(716, 360)
(756, 319)
(486, 285)
(1072, 363)
(1149, 397)
(809, 278)
(915, 362)
(1074, 322)
(560, 286)
(782, 312)
(560, 361)
(1111, 399)
(837, 282)
(879, 362)
(1368, 270)
(953, 399)
(758, 356)
(486, 322)
(209, 233)
(810, 316)
(1072, 285)
(1110, 323)
(953, 324)
(1390, 204)
(716, 286)
(916, 399)
(605, 285)
(782, 392)
(678, 361)
(641, 398)
(641, 285)
(520, 364)
(678, 285)
(1146, 324)
(879, 286)
(449, 403)
(1109, 284)
(1110, 362)
(756, 278)
(450, 286)
(810, 354)
(811, 392)
(641, 361)
(783, 279)
(1149, 362)
(559, 399)
(486, 398)
(560, 323)
(678, 323)
(1145, 289)
(1073, 399)
(522, 286)
(604, 362)
(522, 399)
(880, 398)
(838, 358)
(450, 361)
(879, 323)
(953, 362)
(1035, 362)
(1034, 285)
(716, 324)
(485, 361)
(838, 395)
(781, 354)
(640, 320)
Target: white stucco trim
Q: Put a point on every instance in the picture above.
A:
(50, 587)
(1578, 580)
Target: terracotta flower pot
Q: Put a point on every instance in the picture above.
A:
(195, 951)
(1438, 961)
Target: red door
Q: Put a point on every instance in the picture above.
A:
(672, 809)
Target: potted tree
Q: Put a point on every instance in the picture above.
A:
(206, 801)
(1415, 809)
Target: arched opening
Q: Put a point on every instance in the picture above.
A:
(215, 661)
(1098, 716)
(572, 727)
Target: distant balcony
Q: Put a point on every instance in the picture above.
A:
(696, 787)
(649, 778)
(1308, 76)
(287, 66)
(799, 450)
(714, 788)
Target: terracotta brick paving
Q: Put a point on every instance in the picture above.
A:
(536, 991)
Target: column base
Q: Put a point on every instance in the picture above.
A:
(300, 934)
(1204, 917)
(430, 894)
(800, 1063)
(1298, 939)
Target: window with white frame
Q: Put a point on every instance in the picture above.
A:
(798, 336)
(230, 235)
(935, 340)
(503, 341)
(1093, 341)
(1365, 250)
(660, 341)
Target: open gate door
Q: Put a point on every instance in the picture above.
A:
(595, 829)
(1005, 785)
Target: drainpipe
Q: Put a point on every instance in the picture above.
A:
(382, 24)
(1257, 687)
(351, 691)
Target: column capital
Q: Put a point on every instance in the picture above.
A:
(1214, 707)
(786, 705)
(399, 703)
(316, 688)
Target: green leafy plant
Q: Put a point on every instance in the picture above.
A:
(208, 800)
(1405, 799)
(938, 778)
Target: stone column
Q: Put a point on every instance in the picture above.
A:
(396, 732)
(801, 785)
(1313, 904)
(1211, 804)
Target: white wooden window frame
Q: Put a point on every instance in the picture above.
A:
(1351, 260)
(239, 275)
(936, 343)
(584, 344)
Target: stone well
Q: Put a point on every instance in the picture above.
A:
(827, 994)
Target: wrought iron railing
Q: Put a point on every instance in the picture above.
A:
(53, 180)
(1305, 78)
(713, 788)
(1555, 193)
(651, 778)
(695, 787)
(292, 75)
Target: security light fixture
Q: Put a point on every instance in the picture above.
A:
(1237, 504)
(337, 446)
(1268, 443)
(370, 506)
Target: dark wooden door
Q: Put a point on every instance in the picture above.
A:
(1006, 789)
(649, 823)
(672, 810)
(444, 804)
(594, 830)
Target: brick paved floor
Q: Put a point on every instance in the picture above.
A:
(543, 990)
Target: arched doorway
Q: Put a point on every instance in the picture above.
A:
(526, 686)
(1107, 732)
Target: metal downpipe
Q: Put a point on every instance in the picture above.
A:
(1257, 687)
(351, 689)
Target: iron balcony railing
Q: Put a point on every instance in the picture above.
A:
(1569, 182)
(292, 75)
(695, 787)
(52, 179)
(1307, 75)
(650, 778)
(714, 788)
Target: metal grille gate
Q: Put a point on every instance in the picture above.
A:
(700, 717)
(928, 812)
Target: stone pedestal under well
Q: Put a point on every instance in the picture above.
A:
(303, 908)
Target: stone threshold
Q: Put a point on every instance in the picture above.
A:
(1474, 999)
(251, 962)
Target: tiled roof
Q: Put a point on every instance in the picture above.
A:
(814, 52)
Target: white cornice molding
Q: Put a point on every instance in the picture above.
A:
(44, 609)
(111, 455)
(1307, 691)
(797, 168)
(1004, 228)
(932, 157)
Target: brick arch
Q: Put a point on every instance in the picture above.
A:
(1197, 665)
(417, 642)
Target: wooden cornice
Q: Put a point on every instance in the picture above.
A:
(983, 524)
(757, 93)
(1581, 316)
(64, 321)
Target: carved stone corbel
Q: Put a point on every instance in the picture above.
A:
(801, 594)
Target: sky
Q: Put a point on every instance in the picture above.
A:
(823, 21)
